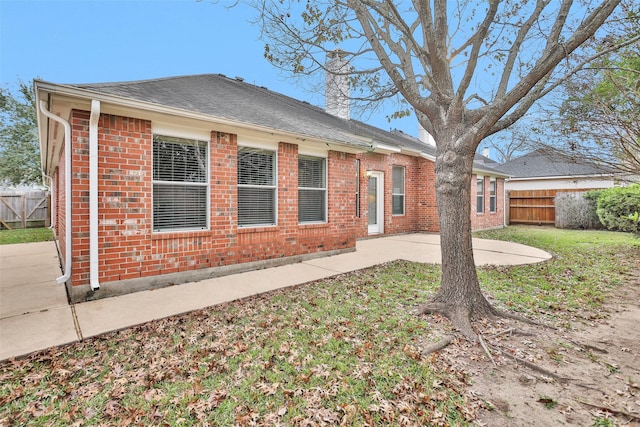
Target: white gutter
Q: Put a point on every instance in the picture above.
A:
(93, 195)
(67, 188)
(545, 178)
(427, 156)
(384, 148)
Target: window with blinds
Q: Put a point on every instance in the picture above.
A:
(397, 193)
(492, 194)
(256, 187)
(180, 184)
(480, 194)
(312, 189)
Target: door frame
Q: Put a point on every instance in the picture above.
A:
(379, 227)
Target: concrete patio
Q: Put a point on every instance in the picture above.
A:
(35, 314)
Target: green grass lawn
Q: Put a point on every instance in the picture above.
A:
(25, 235)
(586, 266)
(340, 350)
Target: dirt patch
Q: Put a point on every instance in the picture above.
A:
(588, 375)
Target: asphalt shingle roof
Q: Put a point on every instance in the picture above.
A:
(540, 163)
(222, 97)
(218, 96)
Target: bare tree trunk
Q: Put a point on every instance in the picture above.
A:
(459, 297)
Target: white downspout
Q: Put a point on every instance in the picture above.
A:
(52, 190)
(93, 195)
(67, 189)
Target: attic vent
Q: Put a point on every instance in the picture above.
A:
(240, 79)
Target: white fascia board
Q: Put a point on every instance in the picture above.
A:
(113, 103)
(50, 133)
(487, 172)
(428, 157)
(42, 130)
(385, 149)
(546, 178)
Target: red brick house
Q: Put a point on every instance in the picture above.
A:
(171, 180)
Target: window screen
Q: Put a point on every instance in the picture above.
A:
(180, 183)
(256, 187)
(398, 190)
(480, 194)
(312, 189)
(492, 195)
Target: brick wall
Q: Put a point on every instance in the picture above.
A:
(487, 219)
(128, 249)
(421, 213)
(124, 197)
(426, 203)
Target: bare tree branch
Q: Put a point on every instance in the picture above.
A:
(515, 49)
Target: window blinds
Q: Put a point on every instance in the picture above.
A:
(256, 187)
(398, 190)
(312, 189)
(180, 183)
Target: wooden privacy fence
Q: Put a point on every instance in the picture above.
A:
(24, 209)
(534, 206)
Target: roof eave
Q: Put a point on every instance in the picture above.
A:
(550, 177)
(491, 172)
(356, 143)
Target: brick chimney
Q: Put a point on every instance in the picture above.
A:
(337, 91)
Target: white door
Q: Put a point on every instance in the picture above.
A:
(376, 202)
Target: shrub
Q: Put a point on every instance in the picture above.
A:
(617, 207)
(577, 211)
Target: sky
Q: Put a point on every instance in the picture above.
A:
(85, 41)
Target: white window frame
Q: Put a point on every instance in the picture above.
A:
(323, 189)
(395, 193)
(480, 194)
(493, 191)
(273, 187)
(193, 138)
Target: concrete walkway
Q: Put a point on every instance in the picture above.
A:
(34, 313)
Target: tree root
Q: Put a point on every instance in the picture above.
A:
(461, 318)
(486, 350)
(611, 410)
(512, 331)
(464, 324)
(431, 309)
(587, 386)
(439, 345)
(537, 368)
(522, 319)
(589, 347)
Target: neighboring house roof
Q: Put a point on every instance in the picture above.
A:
(480, 158)
(234, 100)
(542, 164)
(485, 164)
